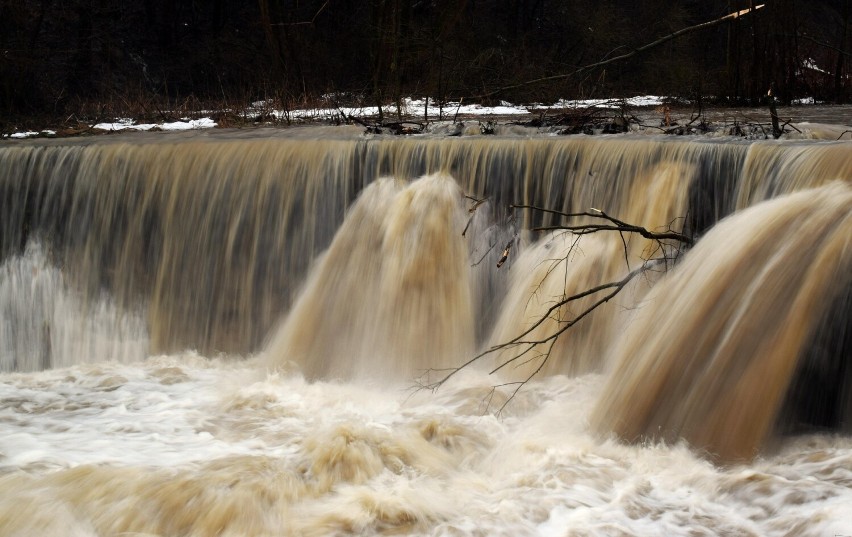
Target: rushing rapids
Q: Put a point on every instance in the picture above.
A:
(220, 336)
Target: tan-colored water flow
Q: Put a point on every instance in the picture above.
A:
(563, 264)
(392, 295)
(711, 353)
(210, 238)
(769, 172)
(214, 238)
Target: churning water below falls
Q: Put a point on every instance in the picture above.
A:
(322, 283)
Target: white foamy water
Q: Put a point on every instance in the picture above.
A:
(122, 433)
(45, 323)
(186, 445)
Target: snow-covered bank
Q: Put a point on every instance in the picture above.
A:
(329, 111)
(427, 108)
(650, 114)
(123, 124)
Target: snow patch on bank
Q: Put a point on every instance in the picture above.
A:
(182, 125)
(123, 124)
(30, 134)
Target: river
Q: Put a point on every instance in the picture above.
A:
(239, 333)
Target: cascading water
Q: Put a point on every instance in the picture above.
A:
(229, 331)
(392, 295)
(44, 324)
(713, 348)
(214, 237)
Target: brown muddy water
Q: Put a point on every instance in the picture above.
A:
(227, 333)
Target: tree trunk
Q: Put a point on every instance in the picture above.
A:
(839, 94)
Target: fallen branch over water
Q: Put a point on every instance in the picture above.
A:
(616, 225)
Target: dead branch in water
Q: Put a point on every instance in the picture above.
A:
(616, 225)
(527, 348)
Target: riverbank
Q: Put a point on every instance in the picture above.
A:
(642, 114)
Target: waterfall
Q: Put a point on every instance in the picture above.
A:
(376, 258)
(712, 350)
(391, 296)
(213, 238)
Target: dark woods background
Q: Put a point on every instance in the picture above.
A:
(90, 57)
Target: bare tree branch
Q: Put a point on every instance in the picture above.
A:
(618, 225)
(806, 37)
(304, 23)
(528, 348)
(630, 54)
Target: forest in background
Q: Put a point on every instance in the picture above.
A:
(99, 58)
